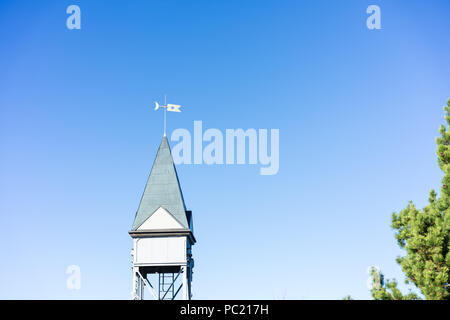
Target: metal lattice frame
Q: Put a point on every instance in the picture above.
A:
(166, 284)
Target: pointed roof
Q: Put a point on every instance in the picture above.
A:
(162, 190)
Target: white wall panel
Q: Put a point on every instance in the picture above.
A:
(161, 250)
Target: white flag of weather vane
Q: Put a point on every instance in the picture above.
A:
(168, 107)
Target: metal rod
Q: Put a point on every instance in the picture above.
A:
(177, 292)
(165, 108)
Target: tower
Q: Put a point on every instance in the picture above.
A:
(162, 234)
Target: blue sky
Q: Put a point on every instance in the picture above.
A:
(358, 112)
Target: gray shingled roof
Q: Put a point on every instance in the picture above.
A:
(162, 189)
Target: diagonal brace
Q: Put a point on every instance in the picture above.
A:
(150, 287)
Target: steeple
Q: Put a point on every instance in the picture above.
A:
(163, 190)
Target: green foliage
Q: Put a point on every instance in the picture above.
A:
(389, 290)
(424, 235)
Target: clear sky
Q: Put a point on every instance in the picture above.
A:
(358, 112)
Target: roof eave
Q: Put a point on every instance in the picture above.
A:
(162, 232)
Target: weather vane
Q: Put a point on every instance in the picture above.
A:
(167, 107)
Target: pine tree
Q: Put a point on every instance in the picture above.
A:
(388, 290)
(424, 235)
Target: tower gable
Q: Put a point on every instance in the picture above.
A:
(161, 219)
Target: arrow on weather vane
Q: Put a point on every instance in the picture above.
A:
(169, 107)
